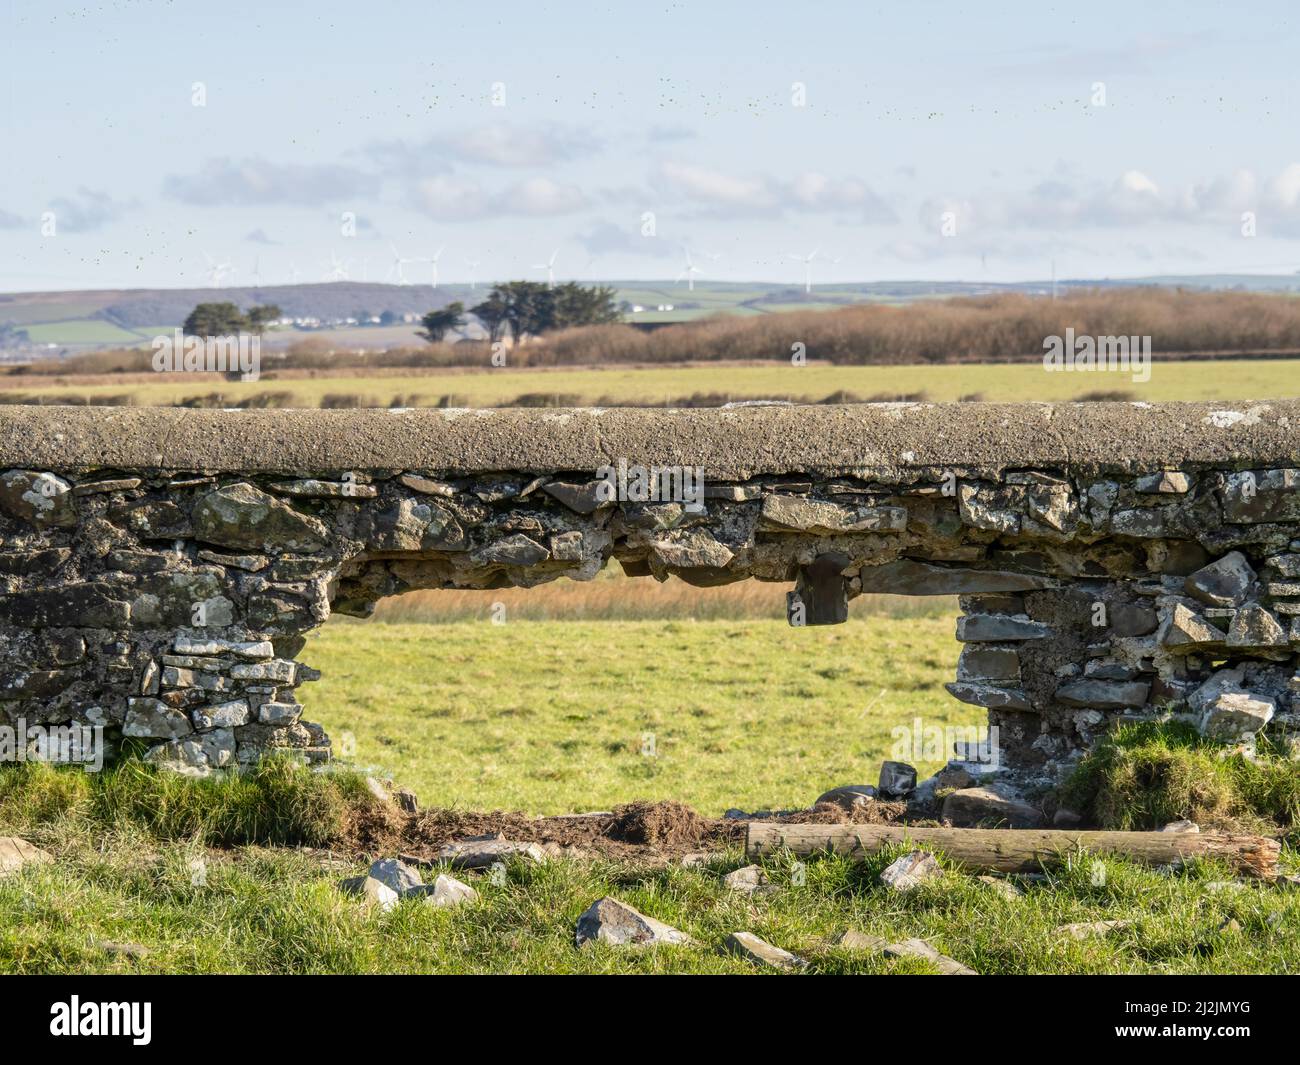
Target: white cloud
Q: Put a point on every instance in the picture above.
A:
(453, 199)
(811, 191)
(253, 181)
(1132, 199)
(86, 210)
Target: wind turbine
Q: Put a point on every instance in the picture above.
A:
(257, 272)
(807, 261)
(399, 265)
(216, 271)
(688, 271)
(434, 263)
(549, 267)
(294, 272)
(338, 270)
(473, 265)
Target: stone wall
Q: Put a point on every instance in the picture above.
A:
(159, 569)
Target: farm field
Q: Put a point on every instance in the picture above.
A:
(552, 717)
(479, 716)
(1226, 380)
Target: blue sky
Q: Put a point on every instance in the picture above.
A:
(630, 132)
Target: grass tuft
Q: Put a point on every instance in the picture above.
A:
(276, 803)
(1146, 775)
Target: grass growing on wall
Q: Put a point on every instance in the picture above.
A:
(1145, 775)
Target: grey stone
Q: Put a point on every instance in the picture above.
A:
(993, 803)
(994, 628)
(694, 548)
(584, 498)
(989, 695)
(118, 484)
(908, 577)
(747, 880)
(479, 854)
(1183, 826)
(1002, 887)
(1224, 582)
(607, 920)
(1254, 496)
(16, 853)
(517, 550)
(1234, 716)
(1130, 619)
(277, 670)
(984, 662)
(278, 713)
(427, 485)
(446, 892)
(1167, 482)
(911, 871)
(196, 755)
(42, 499)
(152, 719)
(919, 948)
(896, 778)
(371, 891)
(985, 507)
(222, 715)
(860, 942)
(849, 796)
(1223, 680)
(396, 874)
(244, 517)
(1145, 523)
(1090, 929)
(1103, 694)
(748, 946)
(313, 488)
(188, 645)
(810, 515)
(1184, 629)
(1253, 626)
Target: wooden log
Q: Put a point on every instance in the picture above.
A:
(1012, 850)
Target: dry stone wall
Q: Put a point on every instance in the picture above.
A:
(159, 570)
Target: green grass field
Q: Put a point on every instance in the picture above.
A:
(1222, 380)
(551, 716)
(262, 910)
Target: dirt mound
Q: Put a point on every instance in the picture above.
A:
(829, 813)
(638, 831)
(660, 824)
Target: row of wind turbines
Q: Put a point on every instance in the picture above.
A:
(221, 273)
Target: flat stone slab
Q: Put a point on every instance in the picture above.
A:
(16, 852)
(1088, 929)
(750, 947)
(732, 443)
(479, 854)
(919, 948)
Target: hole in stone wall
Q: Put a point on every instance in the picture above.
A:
(577, 696)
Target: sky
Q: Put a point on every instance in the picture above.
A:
(147, 142)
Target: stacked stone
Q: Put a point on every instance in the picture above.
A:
(170, 606)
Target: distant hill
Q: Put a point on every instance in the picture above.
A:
(81, 320)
